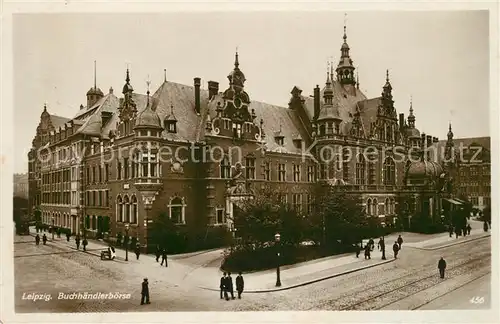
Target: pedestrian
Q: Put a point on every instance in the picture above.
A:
(85, 242)
(485, 226)
(468, 229)
(37, 239)
(44, 239)
(395, 248)
(137, 250)
(367, 251)
(68, 235)
(230, 285)
(464, 231)
(158, 252)
(371, 243)
(58, 232)
(222, 286)
(451, 231)
(400, 242)
(457, 232)
(77, 241)
(441, 267)
(358, 250)
(240, 284)
(164, 257)
(145, 292)
(380, 243)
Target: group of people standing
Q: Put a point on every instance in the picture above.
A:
(460, 231)
(370, 246)
(37, 239)
(226, 285)
(163, 253)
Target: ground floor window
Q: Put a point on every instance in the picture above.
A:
(177, 210)
(220, 216)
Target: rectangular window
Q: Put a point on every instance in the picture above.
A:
(100, 174)
(220, 216)
(94, 178)
(88, 175)
(297, 202)
(281, 172)
(311, 171)
(250, 167)
(106, 172)
(267, 171)
(323, 171)
(106, 198)
(118, 170)
(296, 173)
(125, 168)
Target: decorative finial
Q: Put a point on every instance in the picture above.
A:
(165, 74)
(111, 90)
(387, 75)
(236, 61)
(357, 79)
(345, 27)
(411, 105)
(172, 109)
(128, 75)
(449, 127)
(148, 82)
(95, 75)
(45, 106)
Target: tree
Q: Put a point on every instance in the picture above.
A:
(340, 216)
(165, 233)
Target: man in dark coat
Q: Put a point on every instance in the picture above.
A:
(441, 267)
(137, 250)
(400, 242)
(371, 243)
(37, 239)
(222, 286)
(158, 252)
(367, 251)
(358, 250)
(145, 292)
(68, 235)
(240, 284)
(77, 241)
(85, 242)
(44, 238)
(457, 232)
(164, 257)
(468, 229)
(451, 230)
(229, 281)
(485, 226)
(395, 248)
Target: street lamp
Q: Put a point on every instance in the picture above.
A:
(53, 228)
(383, 247)
(277, 237)
(126, 244)
(232, 229)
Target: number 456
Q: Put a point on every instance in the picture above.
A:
(476, 300)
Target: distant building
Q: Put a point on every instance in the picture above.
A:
(472, 179)
(21, 185)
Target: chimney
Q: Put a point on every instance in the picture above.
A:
(197, 83)
(401, 121)
(316, 102)
(423, 146)
(423, 140)
(429, 140)
(435, 140)
(81, 107)
(213, 89)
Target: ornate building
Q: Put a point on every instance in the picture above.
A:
(194, 153)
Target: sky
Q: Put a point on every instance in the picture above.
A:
(439, 59)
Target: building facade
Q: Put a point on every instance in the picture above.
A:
(21, 185)
(193, 153)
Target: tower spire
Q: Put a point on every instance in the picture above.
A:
(345, 68)
(165, 74)
(95, 75)
(357, 79)
(345, 27)
(236, 61)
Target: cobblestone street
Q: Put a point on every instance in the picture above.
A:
(407, 283)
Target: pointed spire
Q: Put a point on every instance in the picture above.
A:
(236, 61)
(411, 105)
(450, 134)
(411, 117)
(449, 127)
(357, 79)
(127, 87)
(45, 106)
(148, 82)
(387, 75)
(165, 75)
(345, 28)
(95, 75)
(328, 81)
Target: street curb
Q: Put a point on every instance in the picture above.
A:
(448, 245)
(309, 282)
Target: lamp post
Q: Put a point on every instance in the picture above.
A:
(232, 229)
(126, 244)
(53, 228)
(277, 237)
(383, 247)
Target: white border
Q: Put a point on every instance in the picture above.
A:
(6, 170)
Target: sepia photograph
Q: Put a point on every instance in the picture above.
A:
(252, 161)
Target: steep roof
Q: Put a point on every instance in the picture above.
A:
(58, 121)
(484, 141)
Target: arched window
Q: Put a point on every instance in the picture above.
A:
(375, 207)
(393, 206)
(389, 171)
(225, 168)
(126, 206)
(360, 170)
(135, 211)
(177, 210)
(119, 209)
(387, 206)
(346, 158)
(369, 206)
(94, 222)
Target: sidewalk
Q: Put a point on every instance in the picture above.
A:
(444, 240)
(295, 275)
